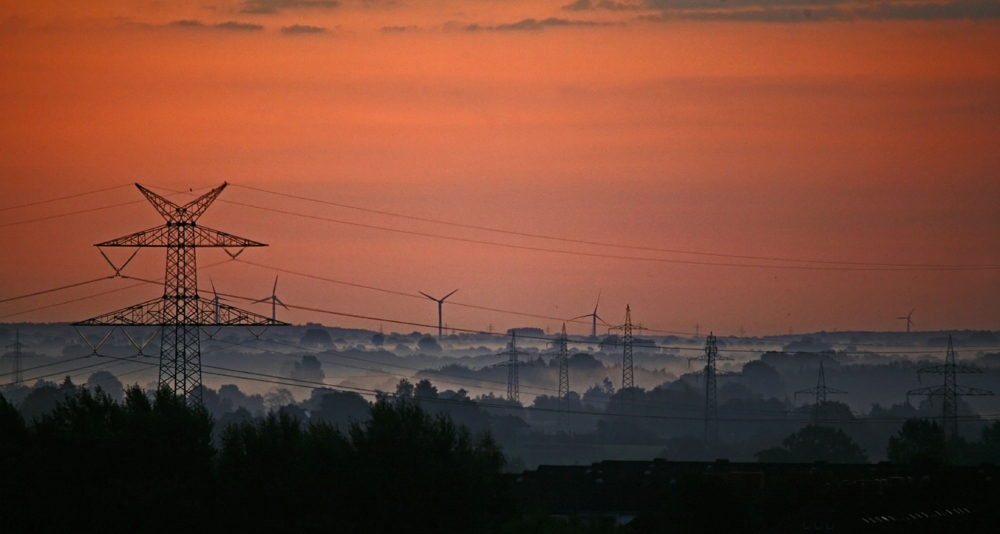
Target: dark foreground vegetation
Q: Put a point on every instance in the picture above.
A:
(150, 463)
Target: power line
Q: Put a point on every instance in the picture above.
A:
(604, 244)
(610, 256)
(53, 290)
(78, 212)
(536, 316)
(143, 281)
(77, 195)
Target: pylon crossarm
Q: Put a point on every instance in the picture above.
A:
(972, 392)
(143, 314)
(197, 207)
(151, 313)
(231, 316)
(929, 392)
(161, 237)
(166, 208)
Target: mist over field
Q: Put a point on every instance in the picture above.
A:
(321, 373)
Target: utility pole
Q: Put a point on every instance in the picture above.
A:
(14, 355)
(180, 312)
(950, 390)
(563, 356)
(820, 391)
(711, 373)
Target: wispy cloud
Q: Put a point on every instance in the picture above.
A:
(800, 11)
(536, 25)
(298, 29)
(399, 29)
(267, 7)
(587, 5)
(797, 10)
(231, 25)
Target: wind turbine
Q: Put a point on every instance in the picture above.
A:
(274, 300)
(440, 305)
(909, 322)
(593, 329)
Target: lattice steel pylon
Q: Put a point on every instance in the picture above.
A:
(628, 372)
(820, 391)
(180, 312)
(562, 347)
(950, 390)
(711, 373)
(14, 355)
(512, 364)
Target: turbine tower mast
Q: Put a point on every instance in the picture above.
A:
(180, 312)
(820, 391)
(593, 315)
(907, 318)
(950, 390)
(440, 302)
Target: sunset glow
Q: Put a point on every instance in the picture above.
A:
(856, 133)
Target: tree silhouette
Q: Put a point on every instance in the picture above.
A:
(920, 442)
(816, 443)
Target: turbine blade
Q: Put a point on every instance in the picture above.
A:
(428, 296)
(279, 302)
(448, 295)
(275, 290)
(262, 300)
(599, 291)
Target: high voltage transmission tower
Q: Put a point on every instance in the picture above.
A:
(180, 312)
(14, 355)
(820, 391)
(628, 372)
(950, 390)
(563, 357)
(512, 364)
(711, 373)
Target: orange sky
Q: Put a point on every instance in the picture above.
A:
(848, 140)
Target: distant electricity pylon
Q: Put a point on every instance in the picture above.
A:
(711, 373)
(820, 391)
(440, 302)
(512, 364)
(563, 357)
(180, 312)
(909, 321)
(950, 390)
(593, 315)
(14, 355)
(628, 372)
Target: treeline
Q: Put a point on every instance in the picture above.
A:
(150, 465)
